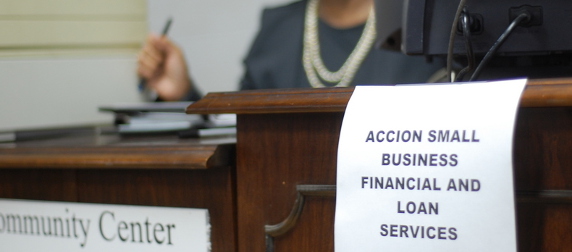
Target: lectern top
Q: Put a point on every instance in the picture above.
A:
(538, 93)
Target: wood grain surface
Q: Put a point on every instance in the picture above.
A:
(538, 93)
(148, 171)
(111, 152)
(276, 152)
(289, 138)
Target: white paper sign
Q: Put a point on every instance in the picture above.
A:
(427, 168)
(27, 225)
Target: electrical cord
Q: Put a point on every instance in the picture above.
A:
(525, 16)
(452, 40)
(465, 21)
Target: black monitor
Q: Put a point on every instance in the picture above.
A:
(423, 27)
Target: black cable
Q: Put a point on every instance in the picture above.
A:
(465, 21)
(492, 51)
(452, 40)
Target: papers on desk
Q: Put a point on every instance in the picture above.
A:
(135, 108)
(44, 133)
(147, 122)
(168, 117)
(7, 137)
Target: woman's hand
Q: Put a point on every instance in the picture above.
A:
(162, 64)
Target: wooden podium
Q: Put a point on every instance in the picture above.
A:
(149, 171)
(286, 165)
(279, 194)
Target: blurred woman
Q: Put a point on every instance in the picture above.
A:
(308, 43)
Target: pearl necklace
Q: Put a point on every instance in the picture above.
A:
(312, 60)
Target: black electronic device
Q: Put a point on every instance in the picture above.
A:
(427, 25)
(539, 44)
(422, 27)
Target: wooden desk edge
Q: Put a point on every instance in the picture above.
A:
(538, 93)
(192, 157)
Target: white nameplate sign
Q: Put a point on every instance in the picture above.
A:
(427, 168)
(27, 225)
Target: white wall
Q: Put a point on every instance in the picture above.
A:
(50, 91)
(214, 34)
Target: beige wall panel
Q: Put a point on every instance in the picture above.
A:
(73, 7)
(71, 27)
(71, 33)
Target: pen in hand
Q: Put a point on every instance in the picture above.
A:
(142, 81)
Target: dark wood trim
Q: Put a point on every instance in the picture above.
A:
(144, 170)
(302, 191)
(329, 191)
(97, 152)
(302, 100)
(181, 157)
(538, 93)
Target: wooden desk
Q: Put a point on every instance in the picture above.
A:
(151, 171)
(290, 137)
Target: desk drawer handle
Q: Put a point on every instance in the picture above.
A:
(302, 191)
(290, 221)
(542, 196)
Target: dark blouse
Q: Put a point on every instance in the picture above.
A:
(275, 58)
